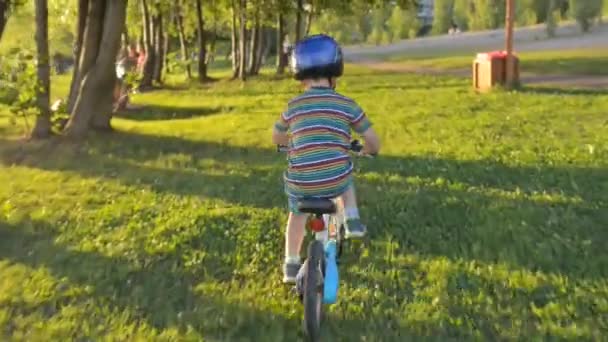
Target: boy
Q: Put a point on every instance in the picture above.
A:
(319, 123)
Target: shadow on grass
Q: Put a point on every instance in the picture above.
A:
(539, 217)
(158, 112)
(160, 290)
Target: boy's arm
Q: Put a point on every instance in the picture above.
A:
(363, 127)
(372, 142)
(279, 132)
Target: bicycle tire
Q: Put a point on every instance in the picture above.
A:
(313, 290)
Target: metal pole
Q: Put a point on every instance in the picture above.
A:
(509, 44)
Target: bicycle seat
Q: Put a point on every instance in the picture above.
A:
(318, 206)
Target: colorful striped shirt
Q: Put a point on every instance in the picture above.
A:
(319, 123)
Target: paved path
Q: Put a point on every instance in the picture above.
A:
(532, 38)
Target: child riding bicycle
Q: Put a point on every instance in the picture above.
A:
(316, 126)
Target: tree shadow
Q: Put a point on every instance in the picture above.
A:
(533, 233)
(544, 90)
(164, 164)
(158, 289)
(162, 291)
(541, 217)
(159, 112)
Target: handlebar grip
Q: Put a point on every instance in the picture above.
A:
(356, 146)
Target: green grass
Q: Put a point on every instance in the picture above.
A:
(574, 62)
(487, 215)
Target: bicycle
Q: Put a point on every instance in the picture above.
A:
(318, 279)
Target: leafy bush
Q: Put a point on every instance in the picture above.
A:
(18, 77)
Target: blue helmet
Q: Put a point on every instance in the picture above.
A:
(317, 56)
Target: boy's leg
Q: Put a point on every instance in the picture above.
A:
(294, 235)
(353, 226)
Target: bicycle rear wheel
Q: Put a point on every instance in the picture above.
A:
(313, 290)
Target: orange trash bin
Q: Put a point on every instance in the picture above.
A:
(490, 69)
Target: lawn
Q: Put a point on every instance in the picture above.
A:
(573, 62)
(487, 216)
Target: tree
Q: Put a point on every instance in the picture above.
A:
(298, 28)
(584, 11)
(202, 45)
(4, 13)
(461, 13)
(378, 29)
(442, 18)
(551, 18)
(234, 41)
(83, 6)
(310, 16)
(42, 127)
(243, 39)
(397, 24)
(486, 14)
(148, 36)
(281, 34)
(158, 42)
(104, 24)
(179, 23)
(255, 43)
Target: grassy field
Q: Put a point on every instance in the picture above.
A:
(487, 215)
(573, 62)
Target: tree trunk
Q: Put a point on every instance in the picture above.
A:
(309, 18)
(298, 29)
(179, 21)
(211, 53)
(158, 48)
(253, 47)
(166, 50)
(4, 10)
(94, 101)
(243, 40)
(281, 56)
(42, 127)
(83, 8)
(259, 55)
(202, 43)
(149, 61)
(234, 43)
(265, 39)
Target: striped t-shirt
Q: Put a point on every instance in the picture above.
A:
(319, 122)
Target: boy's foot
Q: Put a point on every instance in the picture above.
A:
(354, 229)
(290, 272)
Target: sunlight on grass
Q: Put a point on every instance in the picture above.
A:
(579, 62)
(487, 216)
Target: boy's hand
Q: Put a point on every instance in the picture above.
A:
(279, 138)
